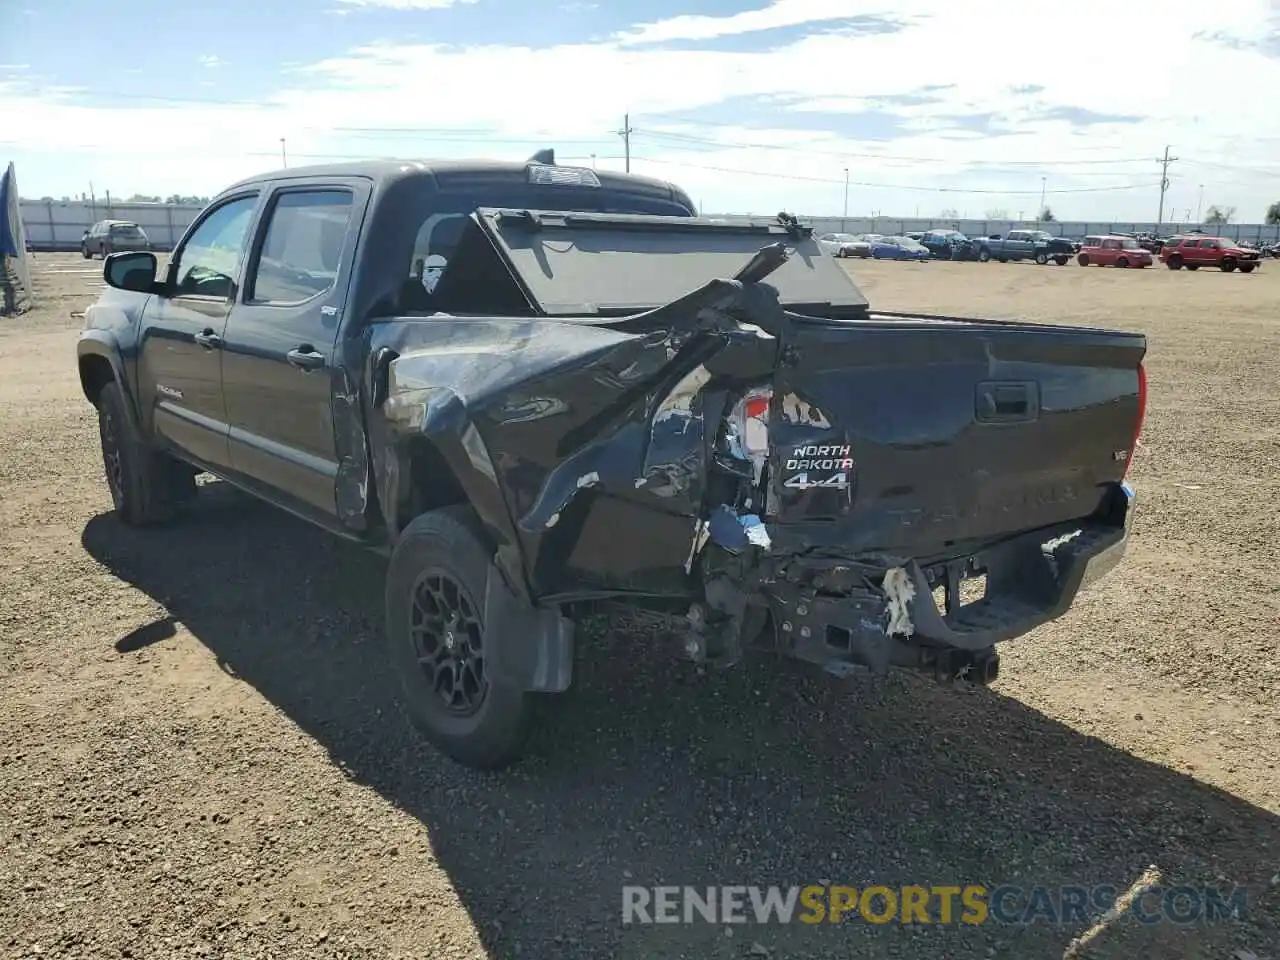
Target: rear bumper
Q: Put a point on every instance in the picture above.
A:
(837, 614)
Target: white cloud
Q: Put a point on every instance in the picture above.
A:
(507, 100)
(211, 60)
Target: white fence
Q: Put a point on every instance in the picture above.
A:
(53, 225)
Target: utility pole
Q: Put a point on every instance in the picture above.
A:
(625, 134)
(1164, 182)
(284, 161)
(1199, 203)
(1044, 181)
(846, 196)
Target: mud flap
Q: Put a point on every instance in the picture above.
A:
(534, 648)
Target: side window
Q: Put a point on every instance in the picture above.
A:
(1111, 244)
(300, 254)
(207, 262)
(1208, 244)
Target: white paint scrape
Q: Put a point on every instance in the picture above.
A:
(900, 591)
(756, 532)
(588, 480)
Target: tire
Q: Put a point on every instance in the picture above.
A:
(146, 486)
(1123, 263)
(984, 255)
(1061, 260)
(1042, 258)
(1246, 267)
(1175, 262)
(1193, 266)
(1083, 259)
(442, 562)
(84, 252)
(1227, 265)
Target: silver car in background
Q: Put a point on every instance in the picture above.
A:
(846, 244)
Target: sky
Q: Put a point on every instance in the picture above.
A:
(818, 107)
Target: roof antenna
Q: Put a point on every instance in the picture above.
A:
(546, 155)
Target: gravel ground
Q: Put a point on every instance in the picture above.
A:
(200, 754)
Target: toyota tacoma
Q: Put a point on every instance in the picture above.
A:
(542, 390)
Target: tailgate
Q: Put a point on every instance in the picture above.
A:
(914, 437)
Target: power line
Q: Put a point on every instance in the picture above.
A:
(888, 186)
(735, 145)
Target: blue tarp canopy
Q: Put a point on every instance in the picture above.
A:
(8, 229)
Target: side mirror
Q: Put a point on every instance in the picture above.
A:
(134, 270)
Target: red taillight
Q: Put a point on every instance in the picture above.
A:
(1142, 416)
(756, 408)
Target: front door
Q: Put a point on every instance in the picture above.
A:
(279, 368)
(180, 360)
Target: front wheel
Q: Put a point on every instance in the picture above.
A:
(1083, 259)
(1246, 268)
(1227, 265)
(1175, 263)
(984, 255)
(1061, 260)
(440, 645)
(146, 486)
(1123, 263)
(84, 251)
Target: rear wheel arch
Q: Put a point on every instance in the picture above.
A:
(430, 482)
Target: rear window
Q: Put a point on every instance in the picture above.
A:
(130, 230)
(439, 234)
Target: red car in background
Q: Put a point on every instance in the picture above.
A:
(1111, 251)
(1201, 251)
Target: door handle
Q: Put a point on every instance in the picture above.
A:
(305, 357)
(208, 339)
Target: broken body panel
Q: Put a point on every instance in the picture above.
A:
(632, 427)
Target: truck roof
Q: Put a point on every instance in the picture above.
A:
(472, 173)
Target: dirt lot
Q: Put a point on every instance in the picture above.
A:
(200, 755)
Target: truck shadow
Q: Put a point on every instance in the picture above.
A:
(648, 774)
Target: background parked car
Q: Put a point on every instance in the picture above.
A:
(1113, 251)
(899, 248)
(1035, 245)
(112, 236)
(948, 244)
(845, 244)
(1199, 251)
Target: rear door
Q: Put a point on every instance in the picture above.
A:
(1109, 253)
(180, 357)
(279, 373)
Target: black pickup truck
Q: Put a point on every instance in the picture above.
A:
(541, 390)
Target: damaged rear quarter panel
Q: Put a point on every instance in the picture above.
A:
(582, 446)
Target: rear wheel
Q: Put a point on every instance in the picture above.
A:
(146, 486)
(440, 646)
(1042, 258)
